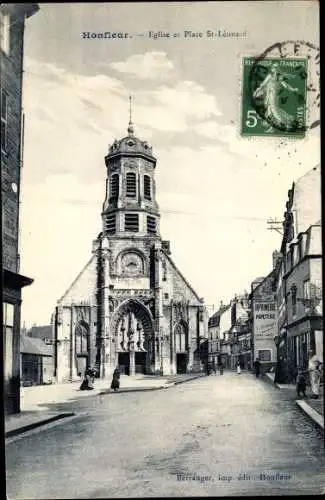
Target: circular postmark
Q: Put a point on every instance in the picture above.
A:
(284, 86)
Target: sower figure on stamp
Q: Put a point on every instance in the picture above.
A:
(269, 91)
(314, 368)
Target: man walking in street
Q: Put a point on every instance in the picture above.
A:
(314, 367)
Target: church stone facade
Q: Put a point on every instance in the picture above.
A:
(130, 306)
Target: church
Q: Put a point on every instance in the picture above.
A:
(129, 306)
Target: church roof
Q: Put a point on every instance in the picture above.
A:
(130, 145)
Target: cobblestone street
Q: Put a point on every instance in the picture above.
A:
(218, 435)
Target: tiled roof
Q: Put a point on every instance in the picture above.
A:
(215, 318)
(30, 345)
(41, 332)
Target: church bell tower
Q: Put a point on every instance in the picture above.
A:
(130, 207)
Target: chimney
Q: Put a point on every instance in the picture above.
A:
(275, 257)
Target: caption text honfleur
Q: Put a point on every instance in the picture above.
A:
(155, 35)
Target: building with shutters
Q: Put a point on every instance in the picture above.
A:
(12, 26)
(130, 306)
(299, 281)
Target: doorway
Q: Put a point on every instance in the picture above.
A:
(82, 362)
(124, 363)
(181, 362)
(140, 362)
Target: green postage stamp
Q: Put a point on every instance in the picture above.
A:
(274, 95)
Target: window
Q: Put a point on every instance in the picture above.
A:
(166, 295)
(5, 32)
(147, 187)
(180, 338)
(151, 224)
(114, 186)
(264, 355)
(294, 299)
(291, 257)
(131, 222)
(4, 118)
(307, 289)
(131, 186)
(300, 252)
(81, 337)
(110, 224)
(8, 325)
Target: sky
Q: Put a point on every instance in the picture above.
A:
(216, 190)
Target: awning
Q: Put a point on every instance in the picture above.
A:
(15, 280)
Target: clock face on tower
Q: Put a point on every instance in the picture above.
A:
(131, 264)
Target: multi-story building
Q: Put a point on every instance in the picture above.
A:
(225, 335)
(230, 334)
(241, 332)
(299, 276)
(264, 320)
(214, 336)
(12, 25)
(130, 306)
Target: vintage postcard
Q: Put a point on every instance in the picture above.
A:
(162, 249)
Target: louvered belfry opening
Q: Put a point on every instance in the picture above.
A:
(131, 186)
(131, 222)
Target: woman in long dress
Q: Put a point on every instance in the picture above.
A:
(238, 368)
(87, 382)
(116, 380)
(269, 91)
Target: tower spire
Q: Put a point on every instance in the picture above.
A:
(130, 127)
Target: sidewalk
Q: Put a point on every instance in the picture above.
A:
(36, 400)
(313, 408)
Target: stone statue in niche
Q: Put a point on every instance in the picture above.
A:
(111, 303)
(178, 310)
(151, 305)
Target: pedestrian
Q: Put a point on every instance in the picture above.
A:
(221, 368)
(116, 379)
(314, 368)
(87, 382)
(279, 376)
(238, 368)
(301, 383)
(257, 367)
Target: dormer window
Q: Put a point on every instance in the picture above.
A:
(131, 185)
(147, 187)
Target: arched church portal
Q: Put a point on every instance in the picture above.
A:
(134, 335)
(181, 346)
(81, 346)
